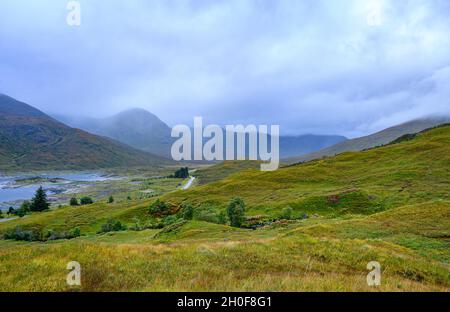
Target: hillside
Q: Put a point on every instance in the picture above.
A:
(30, 139)
(377, 139)
(135, 127)
(368, 181)
(388, 204)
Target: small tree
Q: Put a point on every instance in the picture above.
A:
(86, 200)
(1, 214)
(73, 201)
(110, 199)
(236, 212)
(187, 212)
(11, 211)
(39, 201)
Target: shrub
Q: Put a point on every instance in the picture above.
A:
(73, 202)
(158, 207)
(23, 210)
(110, 199)
(170, 220)
(236, 212)
(54, 235)
(206, 212)
(286, 213)
(86, 200)
(112, 226)
(182, 173)
(1, 214)
(11, 210)
(222, 218)
(187, 212)
(18, 233)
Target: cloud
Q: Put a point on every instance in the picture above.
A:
(347, 67)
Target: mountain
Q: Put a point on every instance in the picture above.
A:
(135, 127)
(143, 130)
(377, 139)
(30, 139)
(291, 146)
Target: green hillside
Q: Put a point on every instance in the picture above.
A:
(390, 204)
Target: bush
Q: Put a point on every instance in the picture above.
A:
(110, 199)
(23, 210)
(222, 218)
(170, 220)
(158, 207)
(286, 213)
(54, 235)
(206, 213)
(18, 233)
(187, 212)
(86, 201)
(112, 226)
(236, 212)
(11, 211)
(182, 173)
(73, 202)
(1, 214)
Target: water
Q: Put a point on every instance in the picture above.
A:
(10, 191)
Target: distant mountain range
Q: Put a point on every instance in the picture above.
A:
(30, 139)
(377, 139)
(143, 130)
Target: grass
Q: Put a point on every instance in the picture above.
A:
(390, 204)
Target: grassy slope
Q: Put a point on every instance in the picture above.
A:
(365, 182)
(393, 207)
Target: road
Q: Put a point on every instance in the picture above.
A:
(189, 183)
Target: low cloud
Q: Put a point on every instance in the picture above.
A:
(345, 67)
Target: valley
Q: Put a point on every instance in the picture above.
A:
(307, 227)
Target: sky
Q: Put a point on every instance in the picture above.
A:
(324, 67)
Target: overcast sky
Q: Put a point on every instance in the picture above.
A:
(329, 67)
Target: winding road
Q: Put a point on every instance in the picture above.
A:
(188, 184)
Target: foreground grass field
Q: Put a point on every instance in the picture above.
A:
(389, 204)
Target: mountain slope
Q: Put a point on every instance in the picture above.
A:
(135, 127)
(366, 182)
(377, 139)
(30, 139)
(291, 146)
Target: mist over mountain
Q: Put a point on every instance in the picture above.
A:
(30, 139)
(376, 139)
(143, 130)
(136, 127)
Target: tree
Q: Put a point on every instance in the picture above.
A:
(39, 201)
(187, 212)
(1, 214)
(73, 201)
(11, 211)
(86, 200)
(236, 212)
(110, 199)
(182, 173)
